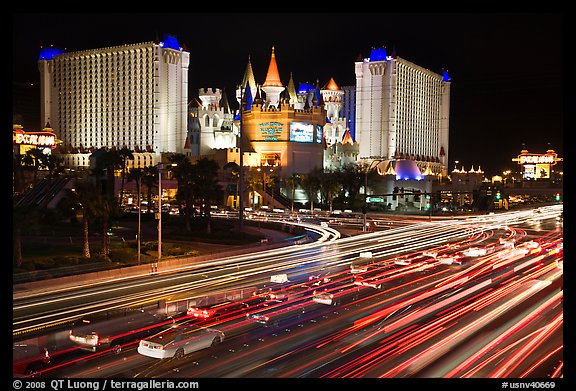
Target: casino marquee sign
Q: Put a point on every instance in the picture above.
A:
(537, 165)
(37, 139)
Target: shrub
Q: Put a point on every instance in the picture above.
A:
(174, 251)
(123, 255)
(149, 246)
(100, 258)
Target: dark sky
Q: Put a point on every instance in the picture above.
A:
(506, 89)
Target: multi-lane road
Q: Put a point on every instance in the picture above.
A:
(473, 297)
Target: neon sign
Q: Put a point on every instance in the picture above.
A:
(271, 131)
(535, 158)
(45, 139)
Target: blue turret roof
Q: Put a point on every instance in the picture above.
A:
(304, 88)
(248, 97)
(170, 42)
(445, 76)
(49, 53)
(378, 54)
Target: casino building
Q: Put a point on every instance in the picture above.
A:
(133, 96)
(281, 134)
(402, 112)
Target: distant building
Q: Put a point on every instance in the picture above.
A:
(283, 135)
(133, 96)
(402, 111)
(212, 123)
(349, 109)
(340, 149)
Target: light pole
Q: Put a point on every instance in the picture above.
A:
(365, 208)
(155, 266)
(240, 187)
(264, 191)
(139, 221)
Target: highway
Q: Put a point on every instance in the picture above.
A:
(402, 313)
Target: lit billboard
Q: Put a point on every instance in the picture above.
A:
(319, 134)
(301, 132)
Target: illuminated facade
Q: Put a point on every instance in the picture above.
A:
(133, 96)
(537, 166)
(279, 134)
(402, 111)
(336, 125)
(212, 123)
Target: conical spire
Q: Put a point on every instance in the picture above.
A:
(347, 138)
(247, 98)
(273, 77)
(332, 85)
(292, 90)
(248, 76)
(224, 102)
(258, 98)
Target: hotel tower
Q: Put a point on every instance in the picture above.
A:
(402, 112)
(130, 96)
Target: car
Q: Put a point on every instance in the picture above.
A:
(226, 310)
(180, 340)
(354, 269)
(219, 311)
(336, 295)
(370, 278)
(29, 359)
(99, 333)
(275, 312)
(452, 259)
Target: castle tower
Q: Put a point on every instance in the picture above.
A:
(335, 127)
(272, 86)
(332, 96)
(210, 98)
(248, 79)
(292, 91)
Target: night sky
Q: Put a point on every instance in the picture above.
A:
(506, 90)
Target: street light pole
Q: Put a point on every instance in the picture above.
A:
(139, 220)
(155, 267)
(365, 208)
(241, 176)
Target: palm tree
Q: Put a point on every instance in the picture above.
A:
(271, 182)
(253, 183)
(206, 186)
(55, 166)
(330, 186)
(311, 184)
(107, 162)
(135, 174)
(23, 216)
(106, 208)
(182, 170)
(32, 161)
(352, 178)
(85, 194)
(18, 170)
(126, 154)
(150, 179)
(293, 182)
